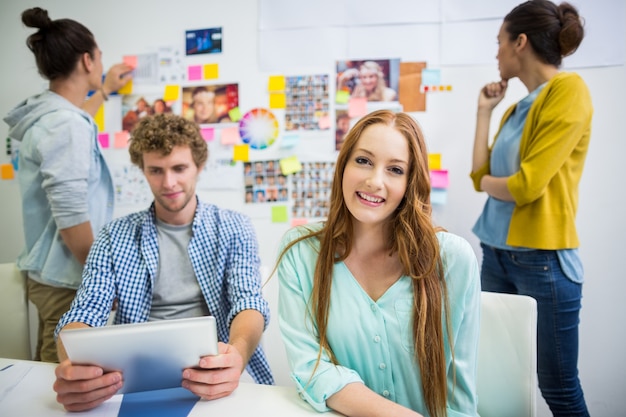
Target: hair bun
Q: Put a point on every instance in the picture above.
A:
(36, 18)
(572, 31)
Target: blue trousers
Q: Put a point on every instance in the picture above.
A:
(538, 274)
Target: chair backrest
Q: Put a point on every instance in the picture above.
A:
(14, 324)
(507, 356)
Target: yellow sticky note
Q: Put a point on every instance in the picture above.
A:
(234, 114)
(127, 89)
(241, 153)
(342, 97)
(211, 71)
(290, 165)
(276, 83)
(279, 214)
(171, 93)
(6, 172)
(434, 161)
(99, 119)
(277, 100)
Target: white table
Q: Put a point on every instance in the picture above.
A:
(26, 391)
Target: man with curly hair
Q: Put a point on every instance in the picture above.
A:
(179, 258)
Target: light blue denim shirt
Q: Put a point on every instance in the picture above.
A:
(372, 340)
(64, 181)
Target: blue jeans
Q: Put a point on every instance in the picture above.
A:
(538, 274)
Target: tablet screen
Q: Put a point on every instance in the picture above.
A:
(150, 355)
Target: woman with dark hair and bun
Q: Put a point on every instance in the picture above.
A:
(67, 191)
(531, 174)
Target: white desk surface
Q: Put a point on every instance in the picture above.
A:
(26, 391)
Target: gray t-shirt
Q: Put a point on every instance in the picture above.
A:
(176, 291)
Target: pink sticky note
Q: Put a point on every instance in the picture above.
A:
(208, 133)
(230, 135)
(439, 178)
(357, 107)
(298, 222)
(324, 122)
(130, 60)
(194, 72)
(121, 139)
(103, 138)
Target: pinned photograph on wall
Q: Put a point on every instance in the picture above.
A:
(373, 79)
(206, 104)
(203, 41)
(137, 106)
(342, 125)
(306, 102)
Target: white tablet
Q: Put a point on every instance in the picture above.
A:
(150, 355)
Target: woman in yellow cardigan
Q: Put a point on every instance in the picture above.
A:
(531, 173)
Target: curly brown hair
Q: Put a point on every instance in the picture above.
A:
(162, 132)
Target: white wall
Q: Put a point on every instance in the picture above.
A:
(130, 27)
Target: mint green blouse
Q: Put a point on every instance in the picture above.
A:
(372, 339)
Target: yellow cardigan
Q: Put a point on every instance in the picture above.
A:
(553, 148)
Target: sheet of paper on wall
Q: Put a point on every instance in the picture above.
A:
(146, 69)
(171, 68)
(131, 188)
(221, 174)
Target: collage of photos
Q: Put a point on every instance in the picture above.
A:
(310, 189)
(206, 104)
(306, 103)
(264, 182)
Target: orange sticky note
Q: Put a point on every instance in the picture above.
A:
(357, 107)
(234, 114)
(277, 100)
(99, 118)
(6, 172)
(230, 135)
(211, 71)
(121, 139)
(290, 165)
(127, 89)
(276, 83)
(130, 60)
(171, 93)
(241, 152)
(434, 161)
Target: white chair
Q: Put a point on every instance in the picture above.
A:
(14, 324)
(507, 356)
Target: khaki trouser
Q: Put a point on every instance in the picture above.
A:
(51, 303)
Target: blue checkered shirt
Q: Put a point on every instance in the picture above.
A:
(123, 262)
